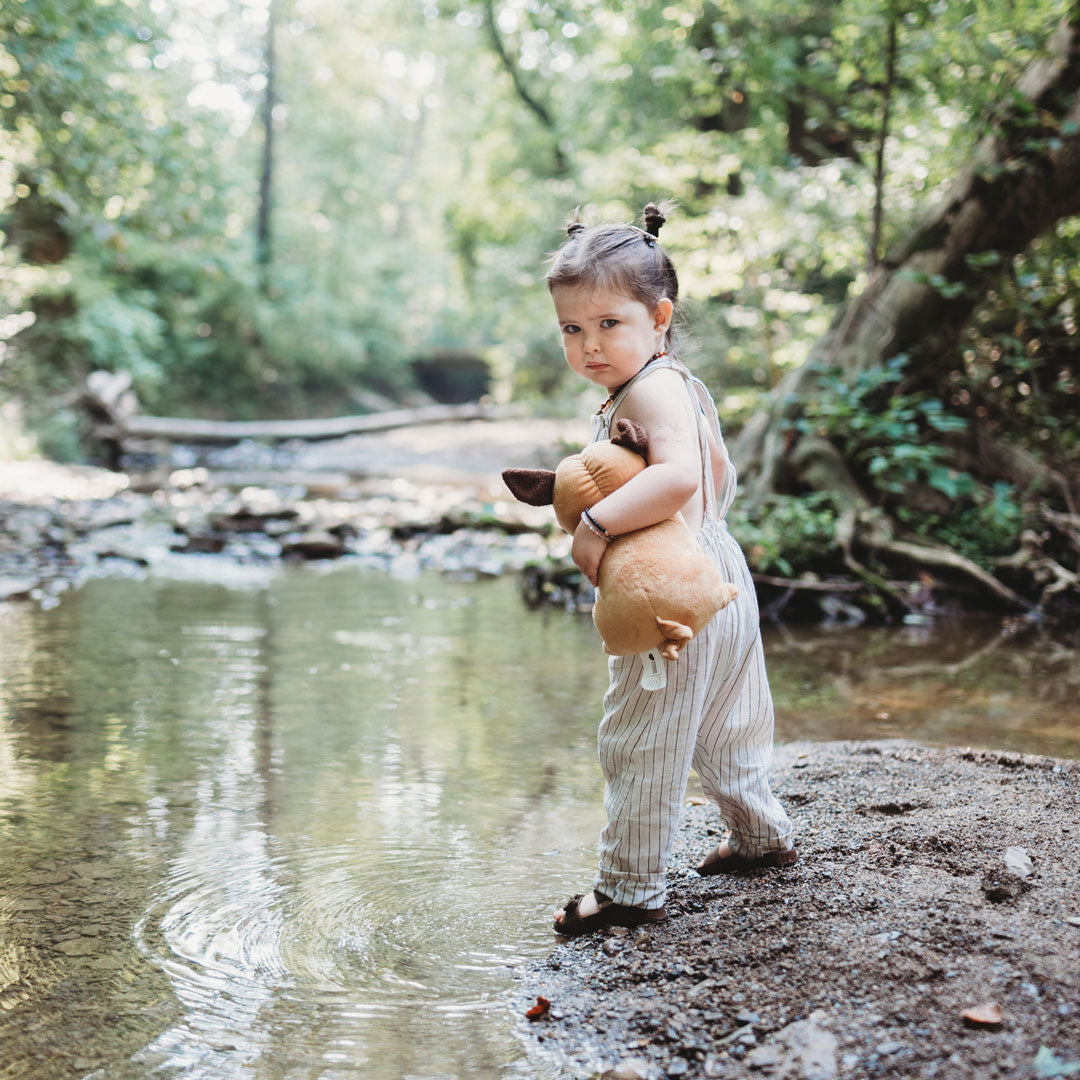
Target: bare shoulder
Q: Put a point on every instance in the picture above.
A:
(662, 406)
(659, 401)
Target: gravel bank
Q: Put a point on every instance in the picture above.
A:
(860, 960)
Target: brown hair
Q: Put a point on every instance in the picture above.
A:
(623, 258)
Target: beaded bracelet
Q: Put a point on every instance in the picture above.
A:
(594, 526)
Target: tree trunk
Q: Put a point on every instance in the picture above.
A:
(263, 249)
(1023, 177)
(883, 137)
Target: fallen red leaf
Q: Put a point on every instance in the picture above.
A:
(539, 1009)
(987, 1013)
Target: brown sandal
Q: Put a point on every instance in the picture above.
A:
(610, 914)
(715, 863)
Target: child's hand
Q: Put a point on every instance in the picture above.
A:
(587, 551)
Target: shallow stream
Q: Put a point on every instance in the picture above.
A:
(302, 823)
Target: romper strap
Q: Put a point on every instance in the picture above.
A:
(705, 410)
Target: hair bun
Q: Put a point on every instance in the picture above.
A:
(654, 218)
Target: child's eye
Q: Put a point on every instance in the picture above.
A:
(570, 328)
(607, 324)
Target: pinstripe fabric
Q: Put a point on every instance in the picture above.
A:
(715, 714)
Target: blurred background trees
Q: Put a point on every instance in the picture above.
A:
(425, 154)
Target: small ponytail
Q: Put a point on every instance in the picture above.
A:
(574, 224)
(654, 219)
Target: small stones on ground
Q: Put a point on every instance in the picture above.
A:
(891, 1047)
(763, 1057)
(1047, 1064)
(629, 1069)
(540, 1009)
(1018, 862)
(811, 1049)
(904, 943)
(611, 946)
(988, 1014)
(678, 1067)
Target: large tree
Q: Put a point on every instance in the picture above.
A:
(1024, 176)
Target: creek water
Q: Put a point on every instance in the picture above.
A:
(305, 823)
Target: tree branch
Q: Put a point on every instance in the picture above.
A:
(536, 107)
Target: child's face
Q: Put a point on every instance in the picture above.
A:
(608, 337)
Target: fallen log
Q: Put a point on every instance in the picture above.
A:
(190, 430)
(810, 585)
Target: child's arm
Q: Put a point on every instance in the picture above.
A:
(661, 405)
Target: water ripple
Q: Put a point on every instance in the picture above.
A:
(317, 940)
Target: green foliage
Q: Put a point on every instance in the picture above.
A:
(894, 436)
(904, 443)
(787, 532)
(1019, 372)
(986, 525)
(421, 174)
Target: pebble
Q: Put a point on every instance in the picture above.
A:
(628, 1069)
(763, 1057)
(678, 1067)
(77, 947)
(887, 1048)
(106, 963)
(27, 903)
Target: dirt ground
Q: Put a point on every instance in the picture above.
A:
(860, 960)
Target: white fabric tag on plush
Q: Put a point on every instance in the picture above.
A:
(653, 673)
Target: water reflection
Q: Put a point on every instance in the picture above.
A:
(325, 808)
(956, 684)
(306, 824)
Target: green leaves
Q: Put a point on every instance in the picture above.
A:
(895, 437)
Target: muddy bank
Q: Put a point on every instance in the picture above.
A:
(860, 960)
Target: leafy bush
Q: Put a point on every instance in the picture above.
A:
(787, 533)
(988, 526)
(899, 444)
(895, 439)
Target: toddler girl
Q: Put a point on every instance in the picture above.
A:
(615, 291)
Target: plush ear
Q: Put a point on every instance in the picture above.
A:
(632, 435)
(533, 486)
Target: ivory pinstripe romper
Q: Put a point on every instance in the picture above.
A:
(716, 712)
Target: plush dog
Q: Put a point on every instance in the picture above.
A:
(657, 588)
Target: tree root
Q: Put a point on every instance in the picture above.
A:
(927, 555)
(845, 536)
(1067, 524)
(876, 536)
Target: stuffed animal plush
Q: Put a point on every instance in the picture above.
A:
(657, 588)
